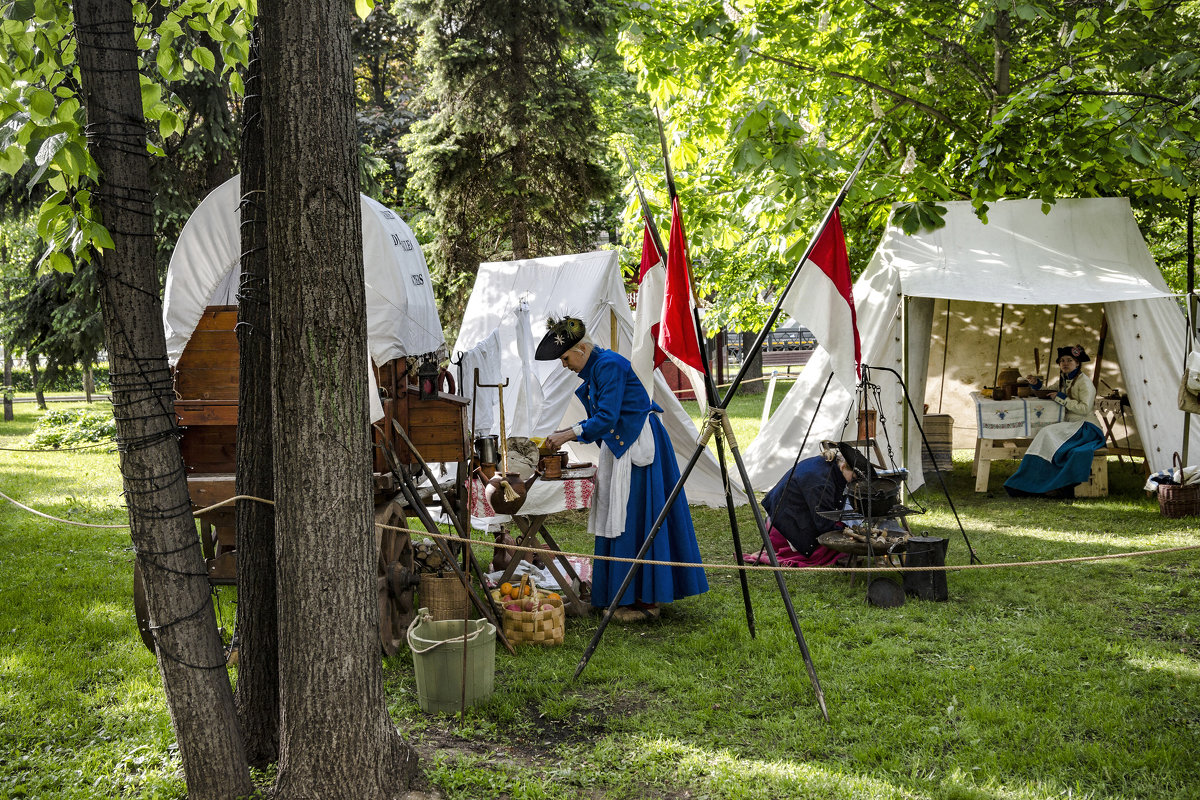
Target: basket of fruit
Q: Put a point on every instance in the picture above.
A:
(529, 615)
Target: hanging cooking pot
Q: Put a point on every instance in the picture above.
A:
(873, 498)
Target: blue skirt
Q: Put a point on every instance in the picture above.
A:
(676, 539)
(1071, 464)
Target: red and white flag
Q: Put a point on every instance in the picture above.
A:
(822, 299)
(646, 356)
(677, 334)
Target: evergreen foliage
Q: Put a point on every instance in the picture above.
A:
(509, 161)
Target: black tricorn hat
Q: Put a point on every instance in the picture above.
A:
(857, 461)
(1074, 351)
(561, 336)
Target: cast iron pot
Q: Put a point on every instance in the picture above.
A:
(873, 498)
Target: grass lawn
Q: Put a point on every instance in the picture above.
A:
(1078, 681)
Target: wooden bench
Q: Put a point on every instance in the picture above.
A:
(785, 358)
(989, 450)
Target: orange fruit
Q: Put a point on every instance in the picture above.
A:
(553, 596)
(515, 592)
(528, 590)
(506, 589)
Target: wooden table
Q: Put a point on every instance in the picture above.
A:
(545, 498)
(1005, 430)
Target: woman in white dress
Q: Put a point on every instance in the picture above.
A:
(1060, 456)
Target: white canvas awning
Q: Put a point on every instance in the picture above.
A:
(402, 318)
(589, 286)
(1084, 257)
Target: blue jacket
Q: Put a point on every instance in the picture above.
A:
(615, 401)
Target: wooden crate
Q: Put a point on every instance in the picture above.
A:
(1097, 482)
(437, 427)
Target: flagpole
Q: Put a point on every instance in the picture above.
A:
(711, 393)
(770, 323)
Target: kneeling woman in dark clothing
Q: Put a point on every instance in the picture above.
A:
(814, 485)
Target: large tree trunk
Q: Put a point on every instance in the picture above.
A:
(336, 739)
(190, 655)
(257, 695)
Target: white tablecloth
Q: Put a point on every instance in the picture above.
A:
(1020, 418)
(544, 497)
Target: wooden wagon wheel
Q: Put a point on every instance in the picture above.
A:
(395, 578)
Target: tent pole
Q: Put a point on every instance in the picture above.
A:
(1053, 333)
(999, 341)
(1191, 309)
(945, 356)
(904, 365)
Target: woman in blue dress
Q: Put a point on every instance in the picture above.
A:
(635, 475)
(1060, 455)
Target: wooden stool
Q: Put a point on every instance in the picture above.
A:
(1097, 482)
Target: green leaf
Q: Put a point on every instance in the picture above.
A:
(1139, 152)
(41, 105)
(59, 262)
(20, 10)
(50, 148)
(363, 8)
(204, 57)
(12, 159)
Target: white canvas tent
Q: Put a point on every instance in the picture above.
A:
(205, 268)
(942, 293)
(589, 286)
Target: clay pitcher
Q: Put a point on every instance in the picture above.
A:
(495, 491)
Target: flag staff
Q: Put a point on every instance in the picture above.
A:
(718, 423)
(711, 392)
(770, 323)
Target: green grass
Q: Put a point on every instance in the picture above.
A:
(1078, 681)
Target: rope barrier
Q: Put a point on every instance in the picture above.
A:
(656, 563)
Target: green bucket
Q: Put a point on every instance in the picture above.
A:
(437, 648)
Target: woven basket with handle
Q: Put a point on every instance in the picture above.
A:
(532, 627)
(446, 598)
(1179, 501)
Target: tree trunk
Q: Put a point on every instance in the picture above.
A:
(1001, 61)
(190, 656)
(257, 695)
(8, 367)
(755, 370)
(336, 739)
(89, 385)
(35, 376)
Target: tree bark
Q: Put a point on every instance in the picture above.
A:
(1001, 61)
(8, 366)
(35, 377)
(336, 739)
(755, 370)
(257, 695)
(89, 385)
(190, 656)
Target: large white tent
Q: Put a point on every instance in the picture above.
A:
(940, 296)
(588, 286)
(205, 268)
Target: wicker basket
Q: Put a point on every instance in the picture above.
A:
(533, 627)
(446, 598)
(1179, 501)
